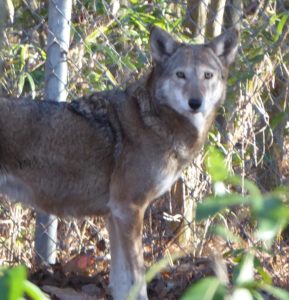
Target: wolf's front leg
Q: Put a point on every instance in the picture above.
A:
(127, 264)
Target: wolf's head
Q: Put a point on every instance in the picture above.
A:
(191, 79)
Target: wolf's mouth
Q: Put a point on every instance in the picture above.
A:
(196, 111)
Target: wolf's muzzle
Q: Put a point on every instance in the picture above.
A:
(195, 103)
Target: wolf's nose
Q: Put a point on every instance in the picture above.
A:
(195, 103)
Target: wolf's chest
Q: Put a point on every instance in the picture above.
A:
(166, 173)
(165, 182)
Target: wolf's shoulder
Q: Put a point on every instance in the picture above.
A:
(97, 106)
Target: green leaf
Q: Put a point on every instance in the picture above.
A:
(32, 84)
(12, 283)
(267, 230)
(244, 271)
(10, 10)
(278, 293)
(272, 216)
(236, 253)
(280, 26)
(42, 53)
(108, 74)
(250, 187)
(226, 234)
(21, 83)
(4, 285)
(281, 191)
(33, 291)
(242, 293)
(277, 119)
(213, 205)
(127, 62)
(209, 288)
(91, 38)
(264, 274)
(112, 53)
(215, 164)
(138, 23)
(257, 295)
(94, 77)
(23, 55)
(255, 51)
(99, 7)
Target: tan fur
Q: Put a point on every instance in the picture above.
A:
(114, 152)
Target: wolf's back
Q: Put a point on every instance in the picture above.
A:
(50, 154)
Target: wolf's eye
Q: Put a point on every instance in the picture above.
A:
(208, 75)
(181, 75)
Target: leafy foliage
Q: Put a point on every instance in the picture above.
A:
(14, 285)
(271, 215)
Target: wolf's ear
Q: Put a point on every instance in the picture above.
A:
(226, 46)
(162, 44)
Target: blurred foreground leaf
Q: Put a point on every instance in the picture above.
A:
(209, 288)
(14, 285)
(215, 164)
